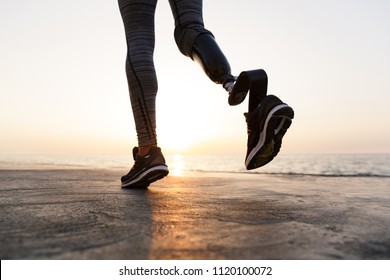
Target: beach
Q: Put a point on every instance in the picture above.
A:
(84, 214)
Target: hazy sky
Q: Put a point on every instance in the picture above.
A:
(63, 87)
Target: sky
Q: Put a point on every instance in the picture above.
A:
(63, 87)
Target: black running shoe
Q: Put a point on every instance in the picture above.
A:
(267, 125)
(146, 169)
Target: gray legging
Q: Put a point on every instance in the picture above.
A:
(193, 41)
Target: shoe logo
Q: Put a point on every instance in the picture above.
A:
(147, 156)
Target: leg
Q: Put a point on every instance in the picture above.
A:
(138, 19)
(197, 42)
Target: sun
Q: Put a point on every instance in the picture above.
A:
(182, 127)
(188, 112)
(177, 135)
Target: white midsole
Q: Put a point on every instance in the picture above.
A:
(140, 177)
(263, 133)
(281, 125)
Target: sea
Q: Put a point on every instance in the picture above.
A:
(337, 165)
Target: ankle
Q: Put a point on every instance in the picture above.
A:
(144, 150)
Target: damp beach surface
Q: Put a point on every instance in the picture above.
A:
(84, 214)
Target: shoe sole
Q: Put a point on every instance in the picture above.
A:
(275, 127)
(147, 177)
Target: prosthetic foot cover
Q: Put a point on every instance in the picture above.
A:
(254, 81)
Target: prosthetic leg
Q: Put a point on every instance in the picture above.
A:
(206, 52)
(268, 118)
(255, 82)
(209, 56)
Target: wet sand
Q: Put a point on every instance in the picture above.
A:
(84, 214)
